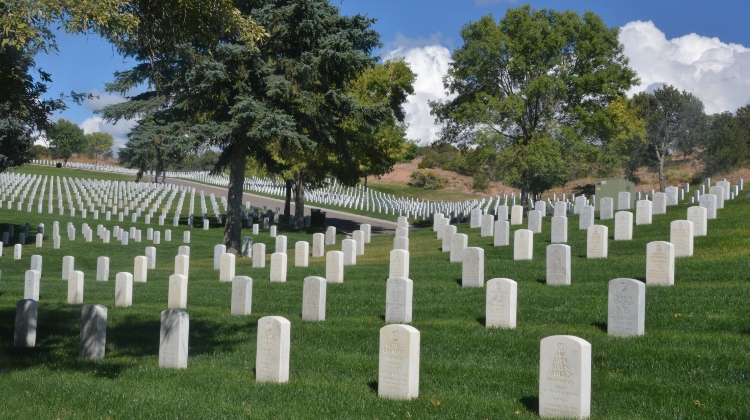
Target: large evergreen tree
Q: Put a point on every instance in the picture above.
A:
(281, 101)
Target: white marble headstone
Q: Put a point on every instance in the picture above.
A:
(398, 362)
(623, 226)
(564, 377)
(278, 267)
(242, 295)
(558, 265)
(523, 245)
(597, 241)
(626, 313)
(272, 354)
(173, 339)
(472, 268)
(335, 267)
(314, 299)
(502, 233)
(659, 263)
(501, 303)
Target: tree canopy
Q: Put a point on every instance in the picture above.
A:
(99, 144)
(674, 121)
(65, 138)
(530, 85)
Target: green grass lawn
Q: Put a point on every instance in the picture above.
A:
(693, 362)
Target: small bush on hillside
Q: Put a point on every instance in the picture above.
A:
(439, 156)
(422, 178)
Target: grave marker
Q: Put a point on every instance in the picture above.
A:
(93, 336)
(488, 225)
(281, 244)
(659, 263)
(301, 253)
(559, 230)
(659, 203)
(219, 250)
(564, 377)
(24, 333)
(472, 268)
(623, 200)
(698, 215)
(448, 232)
(278, 267)
(523, 245)
(534, 222)
(31, 284)
(459, 242)
(708, 201)
(314, 299)
(318, 245)
(626, 313)
(242, 295)
(398, 362)
(123, 289)
(173, 339)
(272, 355)
(102, 269)
(623, 226)
(349, 248)
(335, 267)
(226, 267)
(558, 265)
(597, 241)
(259, 255)
(331, 235)
(586, 217)
(398, 300)
(516, 215)
(75, 287)
(401, 243)
(140, 269)
(502, 233)
(177, 295)
(500, 303)
(643, 212)
(399, 264)
(681, 236)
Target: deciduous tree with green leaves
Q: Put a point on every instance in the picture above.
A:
(98, 144)
(65, 138)
(530, 85)
(675, 121)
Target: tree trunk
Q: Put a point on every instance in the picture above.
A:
(366, 190)
(299, 201)
(288, 201)
(661, 175)
(233, 224)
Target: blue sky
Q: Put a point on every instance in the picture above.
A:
(702, 47)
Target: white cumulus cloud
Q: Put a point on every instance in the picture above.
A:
(119, 130)
(430, 63)
(713, 70)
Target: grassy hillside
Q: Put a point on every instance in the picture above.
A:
(692, 362)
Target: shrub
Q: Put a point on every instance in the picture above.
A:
(423, 178)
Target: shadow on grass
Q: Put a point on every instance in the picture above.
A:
(373, 386)
(601, 325)
(460, 282)
(541, 280)
(531, 404)
(482, 321)
(746, 331)
(134, 336)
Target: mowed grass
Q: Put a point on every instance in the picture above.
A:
(693, 362)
